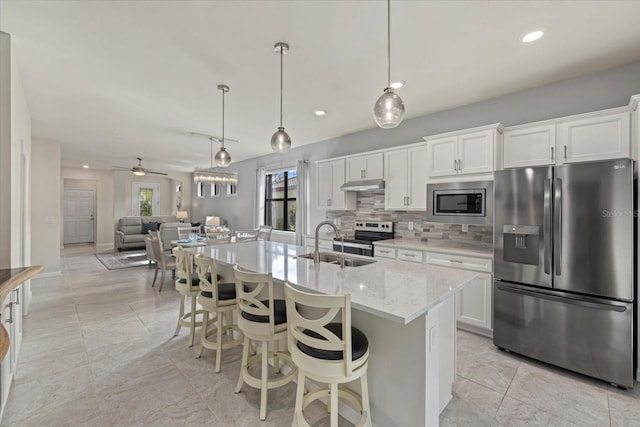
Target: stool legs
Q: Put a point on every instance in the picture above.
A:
(180, 315)
(263, 380)
(220, 326)
(192, 326)
(243, 367)
(364, 392)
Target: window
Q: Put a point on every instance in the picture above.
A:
(145, 199)
(215, 190)
(231, 189)
(200, 190)
(280, 202)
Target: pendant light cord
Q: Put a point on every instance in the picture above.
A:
(281, 55)
(388, 43)
(223, 118)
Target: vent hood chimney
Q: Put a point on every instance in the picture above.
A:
(369, 184)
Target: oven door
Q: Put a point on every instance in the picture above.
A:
(350, 247)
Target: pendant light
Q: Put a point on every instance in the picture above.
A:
(223, 159)
(280, 141)
(389, 108)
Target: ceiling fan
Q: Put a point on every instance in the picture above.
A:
(139, 169)
(213, 138)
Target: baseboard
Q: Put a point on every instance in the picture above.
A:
(475, 330)
(48, 274)
(104, 245)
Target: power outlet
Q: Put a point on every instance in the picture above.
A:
(336, 221)
(410, 225)
(465, 228)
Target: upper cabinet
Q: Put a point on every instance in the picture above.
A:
(330, 175)
(464, 152)
(406, 178)
(595, 136)
(366, 166)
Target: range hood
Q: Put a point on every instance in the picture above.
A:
(368, 184)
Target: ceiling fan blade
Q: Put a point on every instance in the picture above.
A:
(156, 173)
(215, 138)
(121, 168)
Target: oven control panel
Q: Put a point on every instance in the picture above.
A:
(379, 226)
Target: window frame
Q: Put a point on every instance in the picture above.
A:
(285, 199)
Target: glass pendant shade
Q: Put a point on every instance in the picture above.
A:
(223, 159)
(388, 111)
(280, 141)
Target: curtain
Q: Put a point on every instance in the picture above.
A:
(302, 211)
(261, 175)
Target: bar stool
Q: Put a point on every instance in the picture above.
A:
(265, 321)
(188, 287)
(327, 352)
(218, 299)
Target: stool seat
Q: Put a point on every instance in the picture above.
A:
(359, 343)
(195, 280)
(226, 291)
(279, 313)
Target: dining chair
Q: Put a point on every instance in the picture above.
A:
(264, 232)
(246, 235)
(189, 288)
(163, 261)
(218, 237)
(185, 232)
(327, 352)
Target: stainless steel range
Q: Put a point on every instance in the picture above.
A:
(366, 232)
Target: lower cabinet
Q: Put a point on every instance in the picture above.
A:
(474, 303)
(12, 321)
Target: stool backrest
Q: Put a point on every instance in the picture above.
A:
(249, 288)
(208, 283)
(311, 313)
(183, 266)
(184, 232)
(216, 237)
(246, 235)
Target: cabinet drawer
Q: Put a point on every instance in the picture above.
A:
(410, 255)
(384, 252)
(459, 261)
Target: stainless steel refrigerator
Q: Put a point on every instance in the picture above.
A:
(564, 279)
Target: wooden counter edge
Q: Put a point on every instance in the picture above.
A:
(5, 289)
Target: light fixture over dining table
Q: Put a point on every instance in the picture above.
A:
(281, 141)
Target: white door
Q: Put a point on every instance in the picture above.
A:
(443, 156)
(475, 303)
(79, 221)
(395, 177)
(418, 176)
(324, 177)
(532, 146)
(595, 138)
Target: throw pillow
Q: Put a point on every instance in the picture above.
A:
(149, 226)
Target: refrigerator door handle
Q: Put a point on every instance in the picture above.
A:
(557, 226)
(564, 299)
(546, 227)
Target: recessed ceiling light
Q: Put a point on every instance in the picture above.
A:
(319, 112)
(532, 36)
(85, 166)
(398, 84)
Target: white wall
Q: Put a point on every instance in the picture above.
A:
(5, 150)
(45, 204)
(104, 200)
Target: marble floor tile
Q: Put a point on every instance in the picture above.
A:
(98, 350)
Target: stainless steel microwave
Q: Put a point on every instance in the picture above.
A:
(460, 202)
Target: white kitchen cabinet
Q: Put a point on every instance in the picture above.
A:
(410, 255)
(530, 146)
(12, 321)
(463, 153)
(406, 178)
(474, 303)
(591, 137)
(330, 175)
(366, 166)
(595, 138)
(384, 252)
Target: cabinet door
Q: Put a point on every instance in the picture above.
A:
(443, 155)
(475, 303)
(595, 138)
(475, 152)
(417, 178)
(368, 166)
(324, 187)
(395, 177)
(534, 146)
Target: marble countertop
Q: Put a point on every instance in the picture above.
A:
(395, 290)
(440, 246)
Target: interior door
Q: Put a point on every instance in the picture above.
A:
(593, 228)
(79, 208)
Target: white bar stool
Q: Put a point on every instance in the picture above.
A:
(263, 320)
(188, 288)
(326, 352)
(218, 299)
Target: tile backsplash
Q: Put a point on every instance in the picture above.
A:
(370, 205)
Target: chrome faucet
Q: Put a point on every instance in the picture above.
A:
(316, 253)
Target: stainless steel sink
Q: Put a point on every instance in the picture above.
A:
(335, 259)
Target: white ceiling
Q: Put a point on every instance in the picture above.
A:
(113, 80)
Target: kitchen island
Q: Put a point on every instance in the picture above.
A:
(405, 309)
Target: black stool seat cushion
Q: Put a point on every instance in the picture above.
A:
(279, 313)
(225, 291)
(359, 343)
(195, 280)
